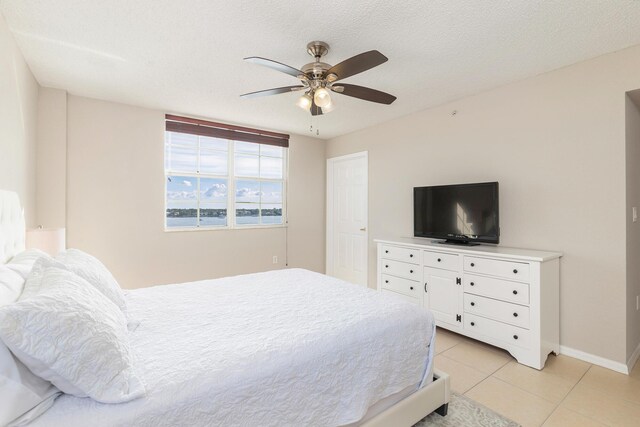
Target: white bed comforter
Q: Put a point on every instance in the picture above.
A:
(288, 347)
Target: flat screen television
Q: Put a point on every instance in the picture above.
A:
(463, 214)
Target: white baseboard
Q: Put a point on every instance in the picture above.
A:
(634, 358)
(597, 360)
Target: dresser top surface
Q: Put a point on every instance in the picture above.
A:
(501, 251)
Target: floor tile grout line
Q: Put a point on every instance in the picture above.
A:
(473, 367)
(621, 398)
(483, 380)
(568, 393)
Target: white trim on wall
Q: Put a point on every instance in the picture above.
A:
(596, 360)
(633, 359)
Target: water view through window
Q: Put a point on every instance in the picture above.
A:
(200, 193)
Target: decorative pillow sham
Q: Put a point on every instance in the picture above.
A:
(93, 271)
(72, 335)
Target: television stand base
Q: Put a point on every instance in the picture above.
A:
(457, 242)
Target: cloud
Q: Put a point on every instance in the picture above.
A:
(247, 192)
(187, 183)
(181, 195)
(216, 191)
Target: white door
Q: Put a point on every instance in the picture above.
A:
(347, 234)
(442, 296)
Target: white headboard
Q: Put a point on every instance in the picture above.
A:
(12, 226)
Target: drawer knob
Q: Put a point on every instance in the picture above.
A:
(425, 287)
(386, 252)
(411, 287)
(386, 281)
(386, 266)
(410, 271)
(473, 265)
(515, 271)
(410, 255)
(515, 314)
(515, 292)
(473, 303)
(473, 323)
(439, 260)
(472, 284)
(515, 337)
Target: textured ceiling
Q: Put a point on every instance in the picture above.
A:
(186, 56)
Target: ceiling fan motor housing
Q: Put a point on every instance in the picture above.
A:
(315, 69)
(317, 49)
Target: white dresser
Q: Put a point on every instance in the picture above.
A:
(506, 297)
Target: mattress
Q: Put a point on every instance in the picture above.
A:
(287, 347)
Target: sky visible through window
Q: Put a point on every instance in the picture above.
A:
(200, 190)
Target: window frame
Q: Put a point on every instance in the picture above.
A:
(231, 188)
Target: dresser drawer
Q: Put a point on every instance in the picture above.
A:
(401, 269)
(403, 286)
(504, 290)
(506, 269)
(506, 312)
(508, 334)
(401, 254)
(441, 260)
(402, 296)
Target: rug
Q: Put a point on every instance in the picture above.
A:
(464, 412)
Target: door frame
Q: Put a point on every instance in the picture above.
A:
(329, 212)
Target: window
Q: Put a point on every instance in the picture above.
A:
(222, 176)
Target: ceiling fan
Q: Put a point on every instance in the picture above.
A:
(319, 79)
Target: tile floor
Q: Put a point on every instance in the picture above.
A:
(567, 392)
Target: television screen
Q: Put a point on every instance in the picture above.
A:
(459, 213)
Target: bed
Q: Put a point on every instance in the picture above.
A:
(286, 347)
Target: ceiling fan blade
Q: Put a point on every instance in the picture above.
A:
(365, 93)
(275, 65)
(357, 64)
(274, 91)
(315, 110)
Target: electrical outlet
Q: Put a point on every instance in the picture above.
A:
(275, 259)
(634, 214)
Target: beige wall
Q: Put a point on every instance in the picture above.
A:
(633, 229)
(115, 204)
(18, 113)
(51, 158)
(555, 143)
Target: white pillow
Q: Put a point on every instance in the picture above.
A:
(24, 395)
(24, 261)
(11, 284)
(94, 272)
(70, 334)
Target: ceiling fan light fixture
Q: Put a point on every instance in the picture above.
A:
(304, 102)
(329, 107)
(322, 97)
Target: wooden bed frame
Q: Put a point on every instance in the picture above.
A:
(408, 411)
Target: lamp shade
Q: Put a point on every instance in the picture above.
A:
(49, 240)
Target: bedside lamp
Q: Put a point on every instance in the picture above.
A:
(49, 240)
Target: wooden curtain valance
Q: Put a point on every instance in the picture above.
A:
(224, 131)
